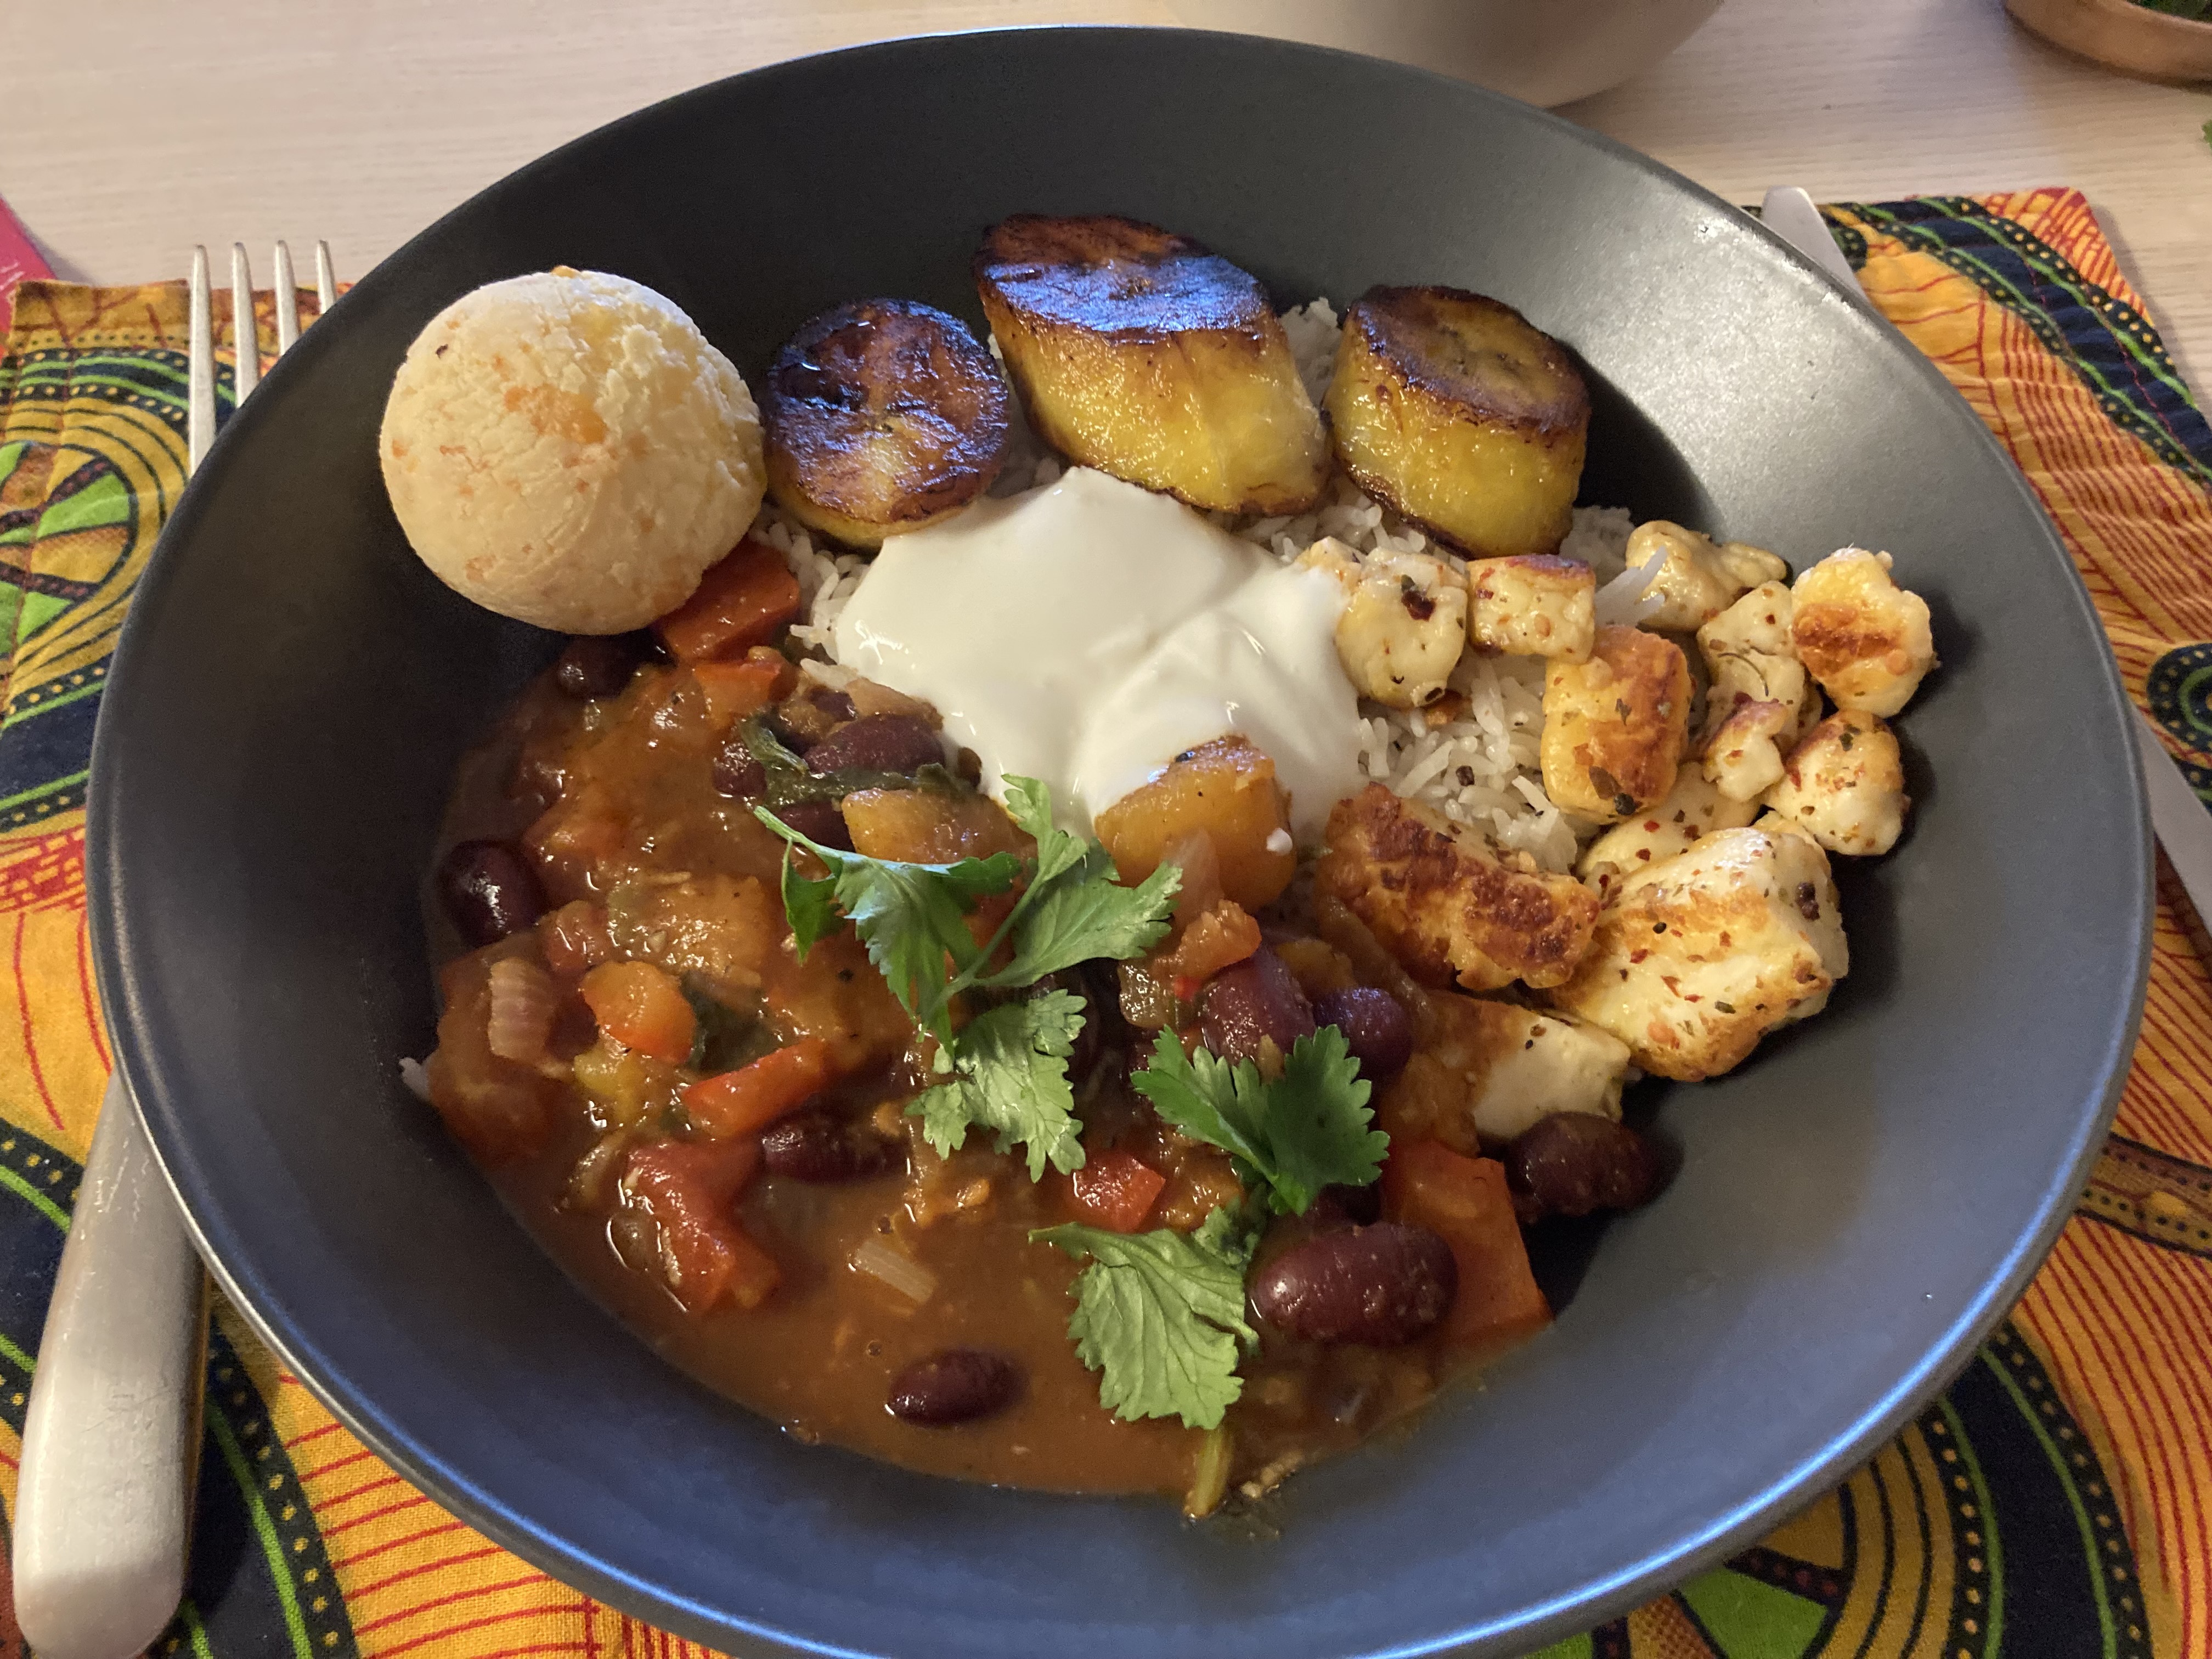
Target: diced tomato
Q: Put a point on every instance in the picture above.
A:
(1225, 936)
(1465, 1200)
(687, 1186)
(740, 604)
(735, 690)
(1115, 1190)
(642, 1007)
(754, 1096)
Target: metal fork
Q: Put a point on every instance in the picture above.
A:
(110, 1436)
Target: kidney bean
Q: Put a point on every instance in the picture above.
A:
(1375, 1025)
(878, 742)
(1573, 1163)
(598, 665)
(1258, 998)
(489, 890)
(736, 775)
(837, 705)
(1341, 1206)
(819, 821)
(954, 1385)
(1382, 1284)
(820, 1146)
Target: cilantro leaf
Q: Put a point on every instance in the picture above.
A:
(1010, 1074)
(1208, 1099)
(1160, 1316)
(1309, 1129)
(910, 916)
(1029, 804)
(1087, 915)
(1319, 1122)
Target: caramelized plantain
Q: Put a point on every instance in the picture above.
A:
(883, 415)
(1140, 353)
(1462, 416)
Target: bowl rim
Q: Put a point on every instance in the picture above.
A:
(120, 978)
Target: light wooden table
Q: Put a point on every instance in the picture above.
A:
(143, 128)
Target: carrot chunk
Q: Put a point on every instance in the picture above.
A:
(755, 1095)
(1115, 1190)
(688, 1188)
(1465, 1200)
(740, 604)
(735, 690)
(642, 1007)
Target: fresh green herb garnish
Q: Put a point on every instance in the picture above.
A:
(1309, 1129)
(1160, 1316)
(786, 782)
(1007, 1070)
(1010, 1075)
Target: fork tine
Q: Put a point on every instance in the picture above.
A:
(287, 294)
(326, 281)
(245, 335)
(199, 398)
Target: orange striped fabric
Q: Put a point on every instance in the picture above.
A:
(2053, 1502)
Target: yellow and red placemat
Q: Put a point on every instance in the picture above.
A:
(2054, 1502)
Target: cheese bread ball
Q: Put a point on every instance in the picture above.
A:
(569, 450)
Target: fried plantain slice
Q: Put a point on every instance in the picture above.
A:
(1461, 416)
(883, 415)
(1138, 352)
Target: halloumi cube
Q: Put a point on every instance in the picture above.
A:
(1489, 1070)
(1743, 756)
(1697, 958)
(1404, 623)
(1614, 725)
(1699, 579)
(1844, 785)
(1749, 656)
(1864, 638)
(1443, 904)
(1692, 809)
(1540, 605)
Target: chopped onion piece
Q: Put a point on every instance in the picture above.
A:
(416, 1081)
(523, 1005)
(910, 1278)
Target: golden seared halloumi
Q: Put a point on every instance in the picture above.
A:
(1486, 1071)
(1614, 725)
(1445, 904)
(1692, 809)
(1457, 412)
(1699, 958)
(1698, 579)
(1864, 637)
(1749, 657)
(1743, 755)
(1404, 623)
(1540, 605)
(1138, 352)
(1844, 785)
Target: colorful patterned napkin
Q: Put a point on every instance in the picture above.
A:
(2053, 1502)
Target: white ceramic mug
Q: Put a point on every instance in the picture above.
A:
(1544, 51)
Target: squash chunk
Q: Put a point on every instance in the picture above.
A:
(1226, 790)
(928, 826)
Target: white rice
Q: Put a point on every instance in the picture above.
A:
(1474, 757)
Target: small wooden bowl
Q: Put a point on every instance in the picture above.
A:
(2123, 36)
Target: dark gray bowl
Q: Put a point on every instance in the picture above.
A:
(1855, 1208)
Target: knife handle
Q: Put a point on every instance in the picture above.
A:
(111, 1435)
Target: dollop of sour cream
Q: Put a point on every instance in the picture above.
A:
(1087, 633)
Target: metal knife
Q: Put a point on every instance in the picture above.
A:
(2183, 825)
